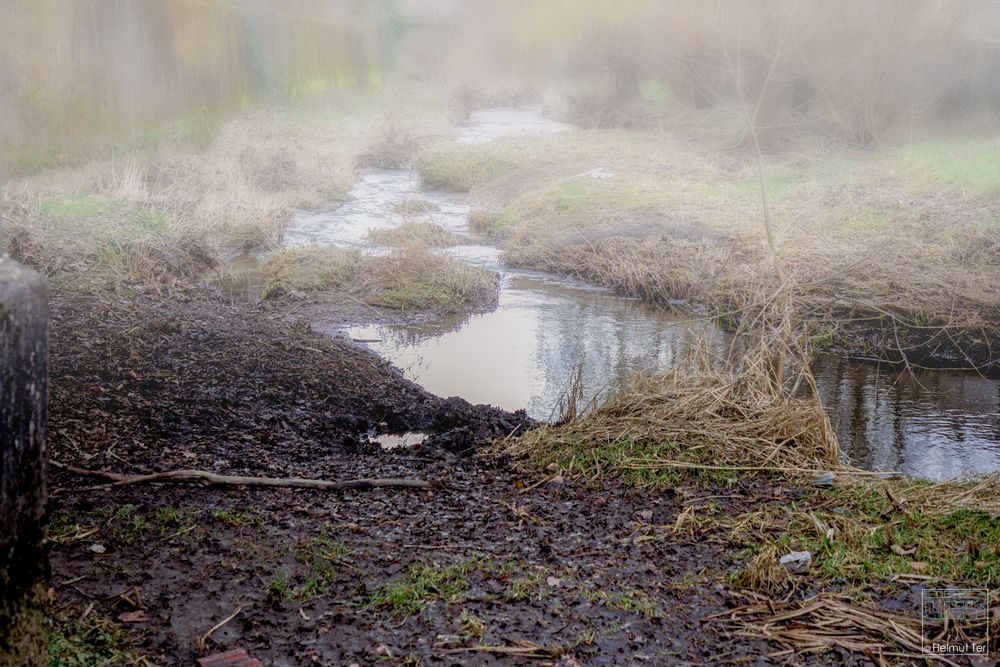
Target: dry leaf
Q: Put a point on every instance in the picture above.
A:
(133, 617)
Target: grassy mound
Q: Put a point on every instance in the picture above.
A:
(658, 431)
(309, 269)
(416, 278)
(410, 278)
(414, 233)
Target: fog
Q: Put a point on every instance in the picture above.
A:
(858, 69)
(558, 332)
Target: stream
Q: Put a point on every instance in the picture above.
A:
(936, 425)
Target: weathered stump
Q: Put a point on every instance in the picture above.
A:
(24, 570)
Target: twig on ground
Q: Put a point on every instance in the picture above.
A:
(204, 638)
(208, 478)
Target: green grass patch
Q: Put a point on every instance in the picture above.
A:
(782, 180)
(102, 217)
(131, 526)
(858, 536)
(587, 202)
(94, 641)
(594, 459)
(421, 587)
(658, 92)
(971, 165)
(77, 207)
(235, 518)
(323, 559)
(198, 131)
(960, 546)
(630, 600)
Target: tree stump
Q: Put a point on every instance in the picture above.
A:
(24, 569)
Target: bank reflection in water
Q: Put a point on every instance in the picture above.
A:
(937, 425)
(522, 355)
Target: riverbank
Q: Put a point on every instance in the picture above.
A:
(590, 554)
(582, 543)
(888, 253)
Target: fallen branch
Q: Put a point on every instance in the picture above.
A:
(209, 478)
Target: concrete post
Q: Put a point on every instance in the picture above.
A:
(24, 570)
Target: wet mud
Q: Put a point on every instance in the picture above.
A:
(157, 384)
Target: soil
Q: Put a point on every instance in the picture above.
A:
(184, 380)
(489, 567)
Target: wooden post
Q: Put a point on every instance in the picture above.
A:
(24, 569)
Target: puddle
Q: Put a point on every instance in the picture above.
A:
(390, 441)
(240, 279)
(523, 354)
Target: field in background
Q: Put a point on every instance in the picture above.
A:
(79, 74)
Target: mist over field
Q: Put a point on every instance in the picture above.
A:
(533, 332)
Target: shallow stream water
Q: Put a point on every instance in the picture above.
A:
(938, 425)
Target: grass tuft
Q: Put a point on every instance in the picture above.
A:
(461, 167)
(416, 278)
(421, 587)
(656, 431)
(414, 233)
(309, 270)
(78, 640)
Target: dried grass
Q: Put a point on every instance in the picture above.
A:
(730, 415)
(824, 622)
(417, 278)
(483, 221)
(415, 233)
(311, 269)
(235, 195)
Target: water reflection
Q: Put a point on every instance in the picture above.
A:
(241, 279)
(523, 354)
(936, 424)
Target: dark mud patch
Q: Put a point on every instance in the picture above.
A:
(197, 382)
(495, 568)
(152, 384)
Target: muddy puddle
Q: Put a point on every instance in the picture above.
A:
(522, 355)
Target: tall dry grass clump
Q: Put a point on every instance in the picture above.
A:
(413, 277)
(417, 278)
(716, 416)
(415, 233)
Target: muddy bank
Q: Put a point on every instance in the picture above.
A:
(161, 377)
(540, 574)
